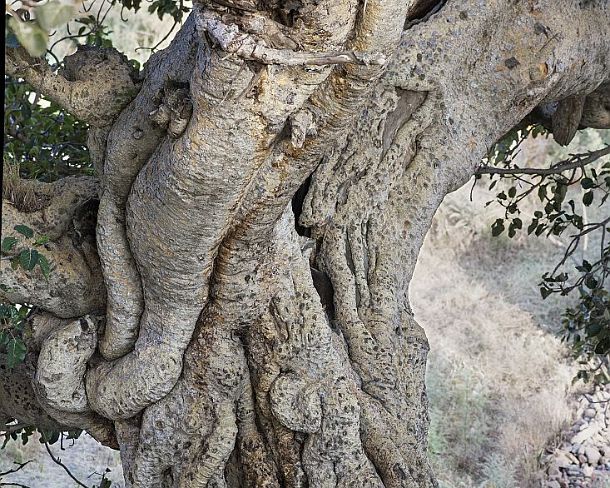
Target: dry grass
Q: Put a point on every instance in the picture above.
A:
(499, 380)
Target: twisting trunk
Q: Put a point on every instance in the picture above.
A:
(262, 202)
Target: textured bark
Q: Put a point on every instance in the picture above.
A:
(263, 201)
(64, 211)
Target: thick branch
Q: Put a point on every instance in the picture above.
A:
(17, 399)
(247, 46)
(63, 211)
(95, 85)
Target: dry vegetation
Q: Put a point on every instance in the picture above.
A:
(499, 379)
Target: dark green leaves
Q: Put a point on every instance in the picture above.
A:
(28, 259)
(15, 352)
(587, 198)
(8, 243)
(46, 142)
(25, 256)
(45, 266)
(25, 231)
(174, 8)
(11, 333)
(497, 227)
(561, 191)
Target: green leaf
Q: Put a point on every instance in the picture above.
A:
(594, 328)
(545, 292)
(586, 183)
(497, 227)
(560, 192)
(603, 346)
(15, 352)
(49, 436)
(587, 198)
(28, 258)
(54, 14)
(24, 230)
(591, 282)
(132, 4)
(512, 191)
(43, 239)
(542, 192)
(532, 226)
(106, 483)
(8, 243)
(31, 36)
(45, 267)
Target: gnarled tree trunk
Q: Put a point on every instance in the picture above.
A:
(265, 186)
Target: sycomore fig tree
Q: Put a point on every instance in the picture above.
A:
(238, 315)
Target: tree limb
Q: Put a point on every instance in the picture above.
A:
(95, 85)
(249, 47)
(64, 212)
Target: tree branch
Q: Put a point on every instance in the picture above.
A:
(57, 461)
(574, 162)
(14, 470)
(249, 47)
(95, 85)
(64, 212)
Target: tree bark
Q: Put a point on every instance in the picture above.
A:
(263, 200)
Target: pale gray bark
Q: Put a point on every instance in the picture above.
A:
(237, 352)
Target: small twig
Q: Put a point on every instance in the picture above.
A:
(14, 470)
(154, 48)
(560, 167)
(57, 461)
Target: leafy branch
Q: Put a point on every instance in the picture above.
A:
(574, 162)
(555, 188)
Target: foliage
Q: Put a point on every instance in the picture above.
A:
(32, 24)
(12, 320)
(12, 317)
(564, 191)
(45, 141)
(14, 247)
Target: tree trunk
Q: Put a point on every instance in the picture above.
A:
(262, 202)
